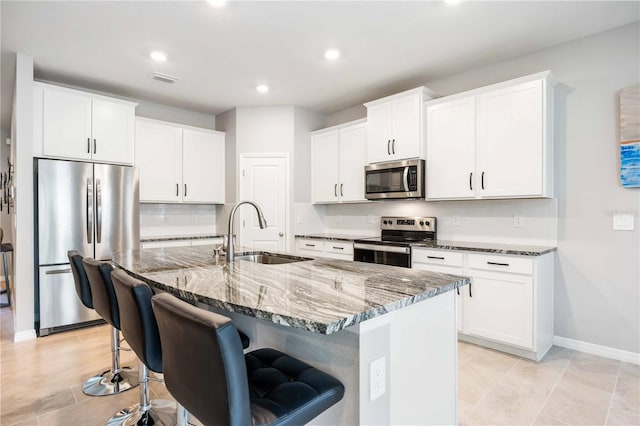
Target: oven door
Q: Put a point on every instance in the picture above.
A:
(397, 179)
(382, 254)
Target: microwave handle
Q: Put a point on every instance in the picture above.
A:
(405, 179)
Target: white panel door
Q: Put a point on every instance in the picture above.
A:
(406, 136)
(451, 139)
(158, 155)
(379, 133)
(66, 124)
(500, 308)
(353, 157)
(263, 180)
(510, 131)
(202, 167)
(325, 177)
(112, 131)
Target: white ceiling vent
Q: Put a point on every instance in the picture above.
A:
(165, 78)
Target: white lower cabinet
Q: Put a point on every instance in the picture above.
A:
(311, 247)
(180, 243)
(509, 304)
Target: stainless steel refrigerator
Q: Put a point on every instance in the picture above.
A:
(91, 208)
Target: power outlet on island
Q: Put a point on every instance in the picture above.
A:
(377, 378)
(518, 221)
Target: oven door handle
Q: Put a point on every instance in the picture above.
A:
(376, 247)
(405, 178)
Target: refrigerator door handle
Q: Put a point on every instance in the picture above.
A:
(98, 211)
(89, 210)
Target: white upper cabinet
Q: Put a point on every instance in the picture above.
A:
(396, 126)
(493, 142)
(338, 156)
(202, 166)
(82, 126)
(179, 164)
(451, 140)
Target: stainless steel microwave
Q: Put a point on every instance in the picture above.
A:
(394, 179)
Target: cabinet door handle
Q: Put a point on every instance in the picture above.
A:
(435, 257)
(393, 146)
(95, 146)
(177, 189)
(309, 245)
(335, 190)
(471, 181)
(341, 192)
(338, 248)
(482, 181)
(388, 147)
(88, 145)
(185, 189)
(470, 295)
(458, 290)
(497, 264)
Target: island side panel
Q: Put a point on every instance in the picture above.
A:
(423, 368)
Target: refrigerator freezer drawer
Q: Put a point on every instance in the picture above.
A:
(59, 303)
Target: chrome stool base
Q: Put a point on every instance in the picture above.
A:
(161, 413)
(109, 383)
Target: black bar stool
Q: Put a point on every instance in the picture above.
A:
(108, 382)
(118, 379)
(138, 324)
(5, 249)
(207, 373)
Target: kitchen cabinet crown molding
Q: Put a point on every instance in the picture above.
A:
(82, 92)
(360, 121)
(543, 75)
(424, 91)
(181, 126)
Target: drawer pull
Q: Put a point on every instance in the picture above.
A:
(309, 245)
(497, 264)
(58, 271)
(338, 248)
(458, 290)
(435, 257)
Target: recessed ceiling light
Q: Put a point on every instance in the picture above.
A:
(217, 3)
(262, 88)
(159, 56)
(332, 54)
(453, 2)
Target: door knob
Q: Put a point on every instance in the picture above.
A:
(281, 234)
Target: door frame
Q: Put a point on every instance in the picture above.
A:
(242, 157)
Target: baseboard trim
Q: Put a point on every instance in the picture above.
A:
(600, 350)
(21, 336)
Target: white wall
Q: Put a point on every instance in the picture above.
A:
(597, 288)
(175, 115)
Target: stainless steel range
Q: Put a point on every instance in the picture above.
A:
(393, 247)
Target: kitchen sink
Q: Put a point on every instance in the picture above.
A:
(269, 258)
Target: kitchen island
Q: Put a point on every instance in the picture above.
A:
(338, 316)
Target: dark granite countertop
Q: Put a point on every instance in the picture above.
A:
(319, 295)
(497, 248)
(332, 237)
(178, 237)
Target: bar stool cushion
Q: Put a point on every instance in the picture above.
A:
(104, 296)
(138, 323)
(80, 278)
(202, 356)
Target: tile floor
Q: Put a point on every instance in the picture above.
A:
(40, 384)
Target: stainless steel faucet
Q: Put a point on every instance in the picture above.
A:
(261, 221)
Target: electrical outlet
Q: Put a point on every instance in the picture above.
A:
(377, 378)
(518, 221)
(623, 222)
(455, 219)
(166, 218)
(370, 219)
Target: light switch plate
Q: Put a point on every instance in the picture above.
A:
(623, 222)
(370, 219)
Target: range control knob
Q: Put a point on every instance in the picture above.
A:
(421, 223)
(384, 221)
(427, 223)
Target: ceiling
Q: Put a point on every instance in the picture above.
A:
(221, 54)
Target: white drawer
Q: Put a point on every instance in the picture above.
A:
(204, 242)
(309, 245)
(339, 247)
(500, 263)
(437, 257)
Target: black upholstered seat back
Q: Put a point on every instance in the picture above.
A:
(80, 278)
(137, 322)
(104, 296)
(204, 367)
